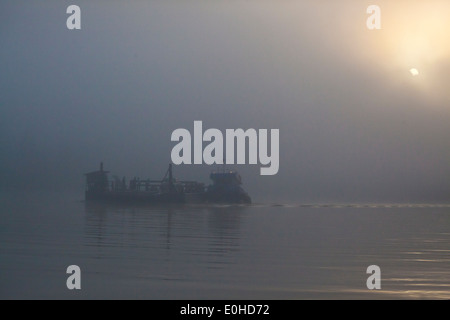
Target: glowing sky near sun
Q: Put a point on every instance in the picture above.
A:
(414, 37)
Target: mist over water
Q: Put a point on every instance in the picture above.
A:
(353, 126)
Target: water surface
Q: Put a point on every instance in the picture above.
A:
(262, 251)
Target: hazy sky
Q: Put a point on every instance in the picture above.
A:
(355, 125)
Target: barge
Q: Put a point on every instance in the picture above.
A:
(225, 188)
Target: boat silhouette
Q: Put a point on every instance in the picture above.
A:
(225, 188)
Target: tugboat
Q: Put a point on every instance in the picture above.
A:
(226, 188)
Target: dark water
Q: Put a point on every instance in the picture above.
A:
(263, 251)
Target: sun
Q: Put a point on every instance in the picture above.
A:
(414, 72)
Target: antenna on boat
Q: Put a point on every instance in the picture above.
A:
(169, 175)
(170, 178)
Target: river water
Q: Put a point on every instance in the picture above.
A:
(263, 251)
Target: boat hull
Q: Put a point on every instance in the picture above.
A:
(135, 197)
(175, 198)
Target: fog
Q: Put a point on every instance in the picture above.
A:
(354, 124)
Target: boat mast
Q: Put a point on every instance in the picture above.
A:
(170, 178)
